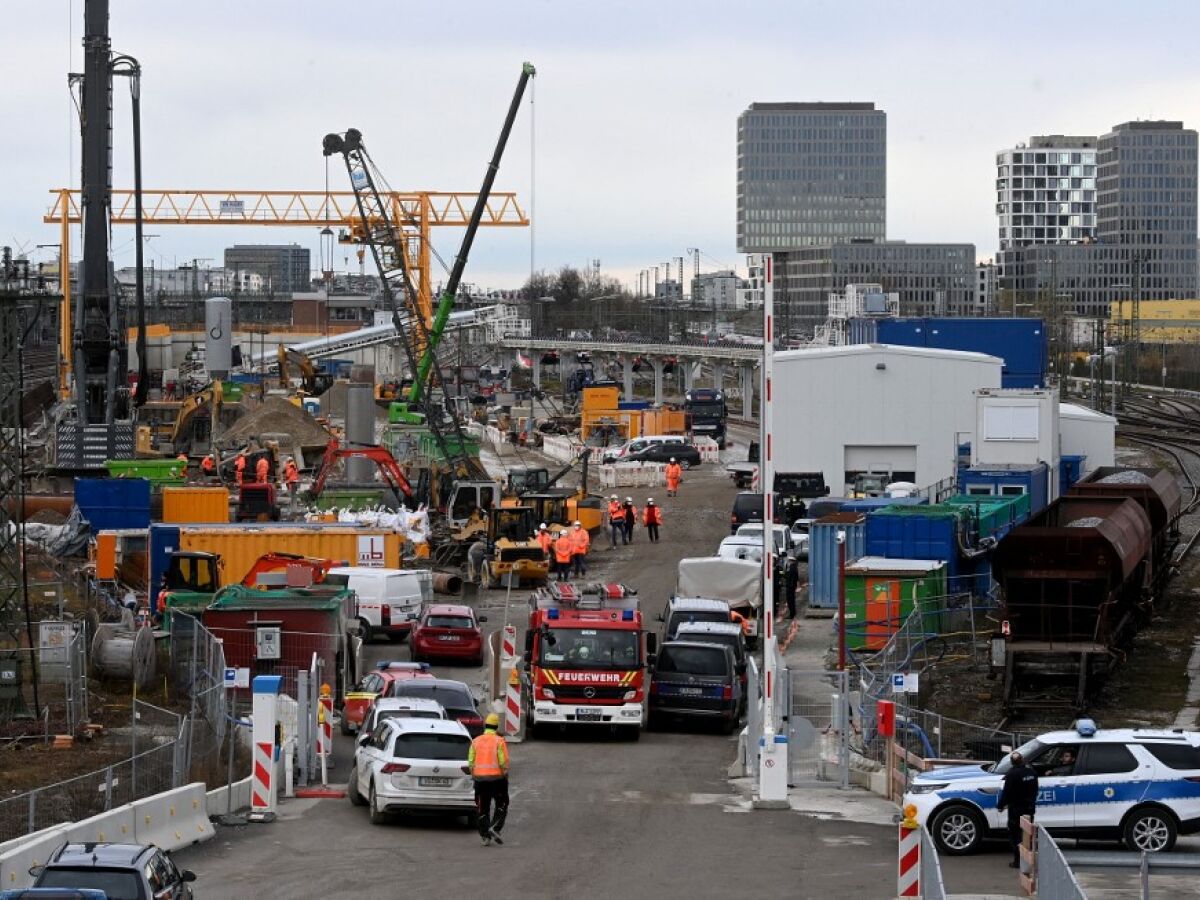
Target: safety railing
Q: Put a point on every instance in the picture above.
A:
(46, 687)
(1045, 872)
(932, 885)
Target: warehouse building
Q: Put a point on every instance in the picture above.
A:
(877, 408)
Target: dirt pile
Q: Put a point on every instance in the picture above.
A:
(277, 416)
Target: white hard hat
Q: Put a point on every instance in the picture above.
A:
(542, 526)
(650, 501)
(628, 499)
(614, 496)
(578, 524)
(672, 459)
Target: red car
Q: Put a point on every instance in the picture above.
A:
(449, 632)
(375, 684)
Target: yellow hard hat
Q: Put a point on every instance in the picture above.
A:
(492, 721)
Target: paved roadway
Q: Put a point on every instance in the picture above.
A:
(591, 816)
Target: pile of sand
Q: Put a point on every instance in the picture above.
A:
(277, 416)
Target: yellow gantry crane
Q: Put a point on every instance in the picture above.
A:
(416, 212)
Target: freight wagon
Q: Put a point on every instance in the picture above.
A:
(1074, 581)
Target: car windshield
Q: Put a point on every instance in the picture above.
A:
(422, 745)
(449, 697)
(449, 622)
(693, 660)
(702, 637)
(1030, 751)
(589, 648)
(116, 884)
(408, 714)
(698, 616)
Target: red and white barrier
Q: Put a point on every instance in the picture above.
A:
(325, 732)
(508, 643)
(262, 789)
(908, 875)
(512, 705)
(709, 451)
(754, 480)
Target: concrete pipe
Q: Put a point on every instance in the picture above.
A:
(447, 583)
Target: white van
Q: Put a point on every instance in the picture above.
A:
(616, 454)
(388, 601)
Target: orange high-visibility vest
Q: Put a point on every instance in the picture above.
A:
(239, 465)
(207, 465)
(563, 548)
(674, 472)
(291, 473)
(261, 468)
(545, 541)
(614, 510)
(487, 751)
(651, 515)
(581, 541)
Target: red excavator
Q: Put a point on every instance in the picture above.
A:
(392, 474)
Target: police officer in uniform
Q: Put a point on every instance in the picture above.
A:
(1019, 796)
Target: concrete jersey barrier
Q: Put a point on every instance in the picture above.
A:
(170, 820)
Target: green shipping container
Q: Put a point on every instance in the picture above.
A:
(994, 516)
(156, 471)
(353, 499)
(882, 593)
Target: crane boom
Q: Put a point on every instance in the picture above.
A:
(446, 301)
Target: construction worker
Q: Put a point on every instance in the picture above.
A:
(674, 473)
(488, 762)
(652, 518)
(239, 467)
(545, 540)
(739, 619)
(616, 521)
(208, 465)
(564, 549)
(629, 517)
(581, 542)
(476, 554)
(291, 476)
(262, 469)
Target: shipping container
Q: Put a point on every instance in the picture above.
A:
(1008, 481)
(195, 504)
(1070, 469)
(600, 397)
(882, 593)
(871, 504)
(823, 542)
(113, 503)
(156, 471)
(1021, 343)
(240, 546)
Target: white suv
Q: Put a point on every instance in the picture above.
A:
(413, 765)
(1141, 787)
(385, 708)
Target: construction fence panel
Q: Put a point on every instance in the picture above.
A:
(340, 656)
(932, 885)
(1055, 880)
(754, 715)
(816, 710)
(44, 689)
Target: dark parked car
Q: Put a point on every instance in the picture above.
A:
(747, 507)
(685, 454)
(122, 871)
(693, 680)
(455, 697)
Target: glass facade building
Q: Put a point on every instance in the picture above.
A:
(810, 174)
(1144, 240)
(285, 268)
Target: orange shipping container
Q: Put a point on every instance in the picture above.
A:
(195, 504)
(598, 398)
(241, 546)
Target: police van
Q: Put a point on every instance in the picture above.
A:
(1140, 787)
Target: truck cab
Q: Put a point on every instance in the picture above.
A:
(706, 412)
(585, 656)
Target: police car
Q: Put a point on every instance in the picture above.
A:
(1141, 787)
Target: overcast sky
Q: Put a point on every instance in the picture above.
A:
(636, 106)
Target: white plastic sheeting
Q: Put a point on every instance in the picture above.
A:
(736, 581)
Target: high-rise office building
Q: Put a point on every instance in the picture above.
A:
(810, 174)
(1144, 240)
(1045, 194)
(284, 268)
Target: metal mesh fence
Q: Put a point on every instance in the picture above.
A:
(1055, 880)
(167, 749)
(59, 703)
(932, 886)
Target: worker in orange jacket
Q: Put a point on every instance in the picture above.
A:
(581, 542)
(239, 467)
(652, 518)
(208, 465)
(262, 469)
(564, 549)
(616, 521)
(545, 541)
(291, 477)
(674, 474)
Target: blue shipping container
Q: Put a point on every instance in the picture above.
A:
(911, 535)
(997, 480)
(109, 504)
(1021, 343)
(823, 555)
(1070, 470)
(164, 540)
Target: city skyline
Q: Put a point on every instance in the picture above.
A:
(636, 136)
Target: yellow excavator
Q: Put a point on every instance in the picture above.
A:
(556, 506)
(313, 380)
(165, 429)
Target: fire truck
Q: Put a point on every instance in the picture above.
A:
(585, 658)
